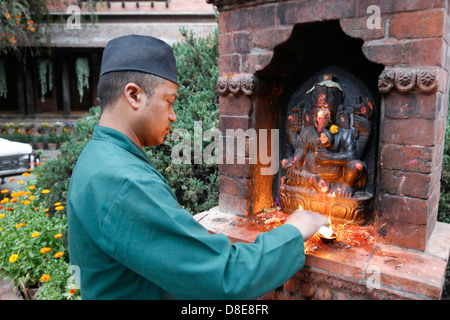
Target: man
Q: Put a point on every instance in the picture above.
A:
(127, 233)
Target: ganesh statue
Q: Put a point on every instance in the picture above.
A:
(330, 157)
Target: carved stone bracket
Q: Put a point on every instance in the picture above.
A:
(408, 79)
(247, 84)
(237, 84)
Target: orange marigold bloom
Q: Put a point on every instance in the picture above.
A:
(45, 277)
(32, 187)
(20, 225)
(45, 191)
(2, 215)
(59, 208)
(5, 191)
(11, 179)
(13, 200)
(35, 234)
(59, 254)
(13, 258)
(5, 200)
(72, 291)
(58, 235)
(7, 15)
(45, 249)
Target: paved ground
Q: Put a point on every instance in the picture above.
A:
(6, 291)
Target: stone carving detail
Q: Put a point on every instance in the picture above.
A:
(386, 81)
(408, 79)
(237, 84)
(405, 80)
(222, 86)
(426, 80)
(339, 284)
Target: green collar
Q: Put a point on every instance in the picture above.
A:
(118, 138)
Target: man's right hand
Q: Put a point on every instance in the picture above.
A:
(307, 222)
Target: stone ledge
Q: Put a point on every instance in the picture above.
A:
(346, 271)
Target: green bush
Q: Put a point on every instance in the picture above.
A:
(444, 202)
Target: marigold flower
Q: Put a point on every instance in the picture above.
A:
(13, 200)
(20, 225)
(334, 129)
(35, 234)
(45, 277)
(2, 215)
(9, 209)
(72, 291)
(5, 200)
(45, 191)
(7, 15)
(59, 254)
(25, 202)
(13, 258)
(31, 198)
(4, 191)
(20, 181)
(57, 204)
(1, 229)
(11, 179)
(59, 208)
(32, 187)
(45, 249)
(58, 235)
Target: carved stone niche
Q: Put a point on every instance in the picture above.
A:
(330, 168)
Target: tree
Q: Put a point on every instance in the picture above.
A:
(18, 20)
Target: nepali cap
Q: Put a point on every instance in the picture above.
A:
(140, 53)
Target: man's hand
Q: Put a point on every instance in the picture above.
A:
(308, 222)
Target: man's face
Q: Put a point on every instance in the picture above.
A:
(158, 114)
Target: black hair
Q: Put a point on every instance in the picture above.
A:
(111, 85)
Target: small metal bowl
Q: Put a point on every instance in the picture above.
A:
(326, 239)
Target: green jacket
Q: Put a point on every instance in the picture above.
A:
(132, 240)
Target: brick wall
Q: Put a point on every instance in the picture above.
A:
(411, 44)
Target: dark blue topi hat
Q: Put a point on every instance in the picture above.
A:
(140, 53)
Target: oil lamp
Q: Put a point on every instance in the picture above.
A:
(326, 234)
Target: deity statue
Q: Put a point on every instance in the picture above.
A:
(329, 146)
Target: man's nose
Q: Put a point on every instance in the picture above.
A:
(172, 117)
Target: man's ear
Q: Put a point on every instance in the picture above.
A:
(133, 95)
